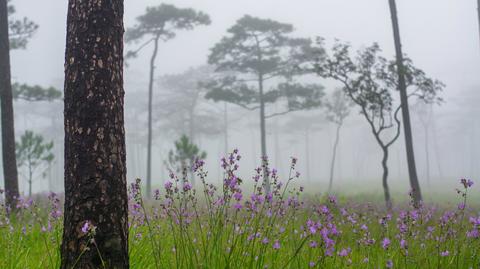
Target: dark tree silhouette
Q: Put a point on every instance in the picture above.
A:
(96, 200)
(260, 58)
(10, 174)
(370, 81)
(160, 24)
(402, 88)
(338, 108)
(14, 34)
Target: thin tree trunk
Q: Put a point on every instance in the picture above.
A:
(95, 169)
(150, 99)
(307, 154)
(10, 174)
(225, 126)
(334, 155)
(402, 87)
(478, 11)
(386, 190)
(30, 175)
(263, 136)
(427, 154)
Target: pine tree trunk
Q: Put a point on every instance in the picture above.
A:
(402, 87)
(10, 174)
(334, 155)
(427, 153)
(150, 99)
(263, 136)
(95, 170)
(307, 154)
(225, 126)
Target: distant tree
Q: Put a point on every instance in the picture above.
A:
(304, 125)
(338, 107)
(257, 51)
(95, 168)
(182, 108)
(34, 153)
(370, 81)
(160, 24)
(425, 114)
(183, 157)
(402, 88)
(35, 93)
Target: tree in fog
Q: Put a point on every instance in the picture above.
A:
(402, 88)
(184, 156)
(96, 202)
(14, 34)
(424, 114)
(370, 81)
(337, 109)
(160, 23)
(304, 125)
(182, 108)
(34, 154)
(260, 58)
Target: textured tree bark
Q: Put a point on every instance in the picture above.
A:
(150, 99)
(10, 174)
(402, 88)
(95, 170)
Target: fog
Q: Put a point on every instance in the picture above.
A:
(440, 36)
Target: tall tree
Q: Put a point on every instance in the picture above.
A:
(95, 171)
(402, 88)
(260, 58)
(369, 81)
(338, 108)
(14, 34)
(160, 24)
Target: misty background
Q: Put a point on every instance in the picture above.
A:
(440, 36)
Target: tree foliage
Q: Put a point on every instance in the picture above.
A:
(185, 154)
(256, 51)
(370, 80)
(20, 30)
(35, 93)
(162, 22)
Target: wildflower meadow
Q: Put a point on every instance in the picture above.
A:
(239, 225)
